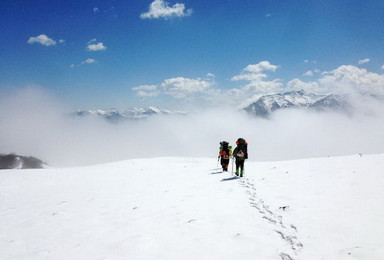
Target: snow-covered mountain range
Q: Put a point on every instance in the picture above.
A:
(267, 104)
(114, 115)
(345, 103)
(263, 107)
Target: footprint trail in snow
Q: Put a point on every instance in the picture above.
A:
(287, 232)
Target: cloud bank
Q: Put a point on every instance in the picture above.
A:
(36, 123)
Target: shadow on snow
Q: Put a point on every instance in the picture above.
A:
(230, 179)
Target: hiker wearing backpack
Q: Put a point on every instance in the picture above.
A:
(225, 154)
(241, 154)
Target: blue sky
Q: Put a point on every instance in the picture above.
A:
(98, 54)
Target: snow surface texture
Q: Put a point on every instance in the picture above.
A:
(184, 208)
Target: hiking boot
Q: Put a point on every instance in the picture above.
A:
(241, 173)
(237, 172)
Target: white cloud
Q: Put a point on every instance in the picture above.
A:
(308, 74)
(382, 67)
(96, 47)
(61, 41)
(348, 78)
(364, 61)
(297, 84)
(181, 87)
(268, 15)
(311, 73)
(310, 61)
(342, 80)
(141, 93)
(178, 87)
(161, 9)
(96, 10)
(146, 87)
(42, 39)
(255, 74)
(147, 90)
(89, 61)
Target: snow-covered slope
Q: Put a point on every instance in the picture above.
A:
(182, 208)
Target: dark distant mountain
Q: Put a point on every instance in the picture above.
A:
(268, 104)
(13, 161)
(114, 115)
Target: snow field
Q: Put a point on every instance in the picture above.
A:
(183, 208)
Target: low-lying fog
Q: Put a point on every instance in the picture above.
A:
(36, 124)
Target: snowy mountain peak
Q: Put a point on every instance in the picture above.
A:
(267, 104)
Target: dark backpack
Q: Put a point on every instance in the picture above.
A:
(242, 148)
(224, 149)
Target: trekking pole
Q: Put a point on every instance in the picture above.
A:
(232, 164)
(217, 165)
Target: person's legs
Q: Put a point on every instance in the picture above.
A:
(224, 164)
(237, 167)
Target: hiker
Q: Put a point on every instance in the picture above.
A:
(241, 154)
(225, 154)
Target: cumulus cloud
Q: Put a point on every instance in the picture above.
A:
(96, 47)
(161, 9)
(308, 74)
(257, 84)
(347, 78)
(364, 61)
(181, 87)
(297, 84)
(42, 39)
(342, 80)
(255, 71)
(89, 61)
(147, 90)
(311, 73)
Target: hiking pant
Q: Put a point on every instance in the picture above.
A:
(239, 164)
(224, 163)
